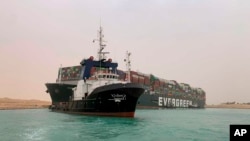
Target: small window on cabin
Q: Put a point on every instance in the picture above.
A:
(107, 76)
(104, 76)
(113, 77)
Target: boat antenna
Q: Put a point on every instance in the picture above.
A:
(60, 74)
(128, 65)
(100, 53)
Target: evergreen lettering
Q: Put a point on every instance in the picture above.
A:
(160, 101)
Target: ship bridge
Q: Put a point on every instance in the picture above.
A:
(88, 64)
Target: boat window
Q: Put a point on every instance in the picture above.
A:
(104, 76)
(107, 76)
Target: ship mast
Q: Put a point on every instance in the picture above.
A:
(60, 74)
(100, 53)
(128, 65)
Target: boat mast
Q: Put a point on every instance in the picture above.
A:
(60, 74)
(128, 65)
(100, 53)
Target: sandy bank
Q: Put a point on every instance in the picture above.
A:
(7, 103)
(230, 106)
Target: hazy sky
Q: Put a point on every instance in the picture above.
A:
(205, 43)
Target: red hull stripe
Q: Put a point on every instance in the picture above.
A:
(115, 114)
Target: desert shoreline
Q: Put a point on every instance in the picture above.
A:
(229, 106)
(15, 104)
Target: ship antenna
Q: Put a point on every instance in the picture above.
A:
(60, 74)
(100, 53)
(128, 65)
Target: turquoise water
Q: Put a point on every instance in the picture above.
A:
(148, 125)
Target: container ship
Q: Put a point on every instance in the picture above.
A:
(159, 93)
(152, 91)
(98, 92)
